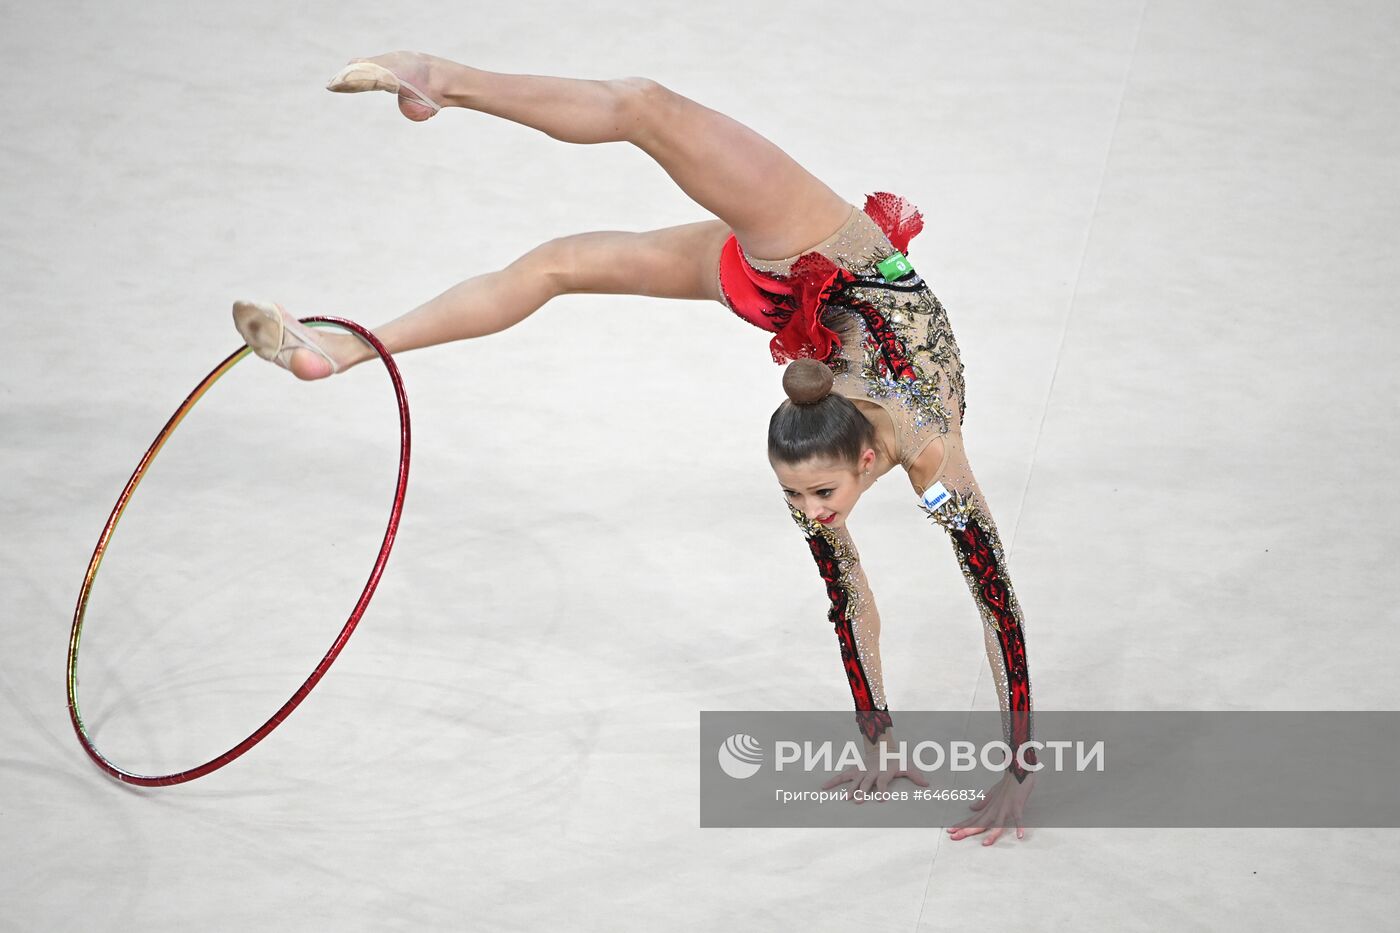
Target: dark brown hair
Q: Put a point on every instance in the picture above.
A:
(814, 421)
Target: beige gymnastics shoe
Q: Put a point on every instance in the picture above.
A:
(275, 335)
(367, 76)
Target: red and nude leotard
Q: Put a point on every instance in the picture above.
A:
(887, 340)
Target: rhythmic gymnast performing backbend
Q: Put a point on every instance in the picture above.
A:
(874, 380)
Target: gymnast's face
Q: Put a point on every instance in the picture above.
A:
(823, 489)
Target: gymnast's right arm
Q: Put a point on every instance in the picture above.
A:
(856, 620)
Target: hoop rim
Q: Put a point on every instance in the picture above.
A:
(371, 584)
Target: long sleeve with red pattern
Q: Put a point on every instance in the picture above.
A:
(855, 618)
(955, 503)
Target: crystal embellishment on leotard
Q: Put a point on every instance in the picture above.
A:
(839, 565)
(953, 513)
(887, 322)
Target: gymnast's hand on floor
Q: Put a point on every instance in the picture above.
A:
(1003, 805)
(874, 779)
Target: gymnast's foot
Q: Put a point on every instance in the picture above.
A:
(413, 76)
(275, 335)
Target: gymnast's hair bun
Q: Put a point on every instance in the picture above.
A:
(806, 381)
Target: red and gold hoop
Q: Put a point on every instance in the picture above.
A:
(361, 605)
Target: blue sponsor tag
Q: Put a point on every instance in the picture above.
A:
(935, 496)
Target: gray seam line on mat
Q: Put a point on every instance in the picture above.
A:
(1049, 393)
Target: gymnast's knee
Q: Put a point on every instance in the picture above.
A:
(554, 263)
(642, 104)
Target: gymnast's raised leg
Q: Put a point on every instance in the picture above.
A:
(773, 206)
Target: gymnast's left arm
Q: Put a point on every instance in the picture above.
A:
(955, 503)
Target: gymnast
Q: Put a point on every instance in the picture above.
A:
(873, 379)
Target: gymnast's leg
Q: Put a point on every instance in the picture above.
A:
(673, 262)
(775, 207)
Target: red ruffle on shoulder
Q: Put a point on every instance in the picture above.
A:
(792, 309)
(899, 219)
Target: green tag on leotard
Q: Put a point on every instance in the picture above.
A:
(894, 267)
